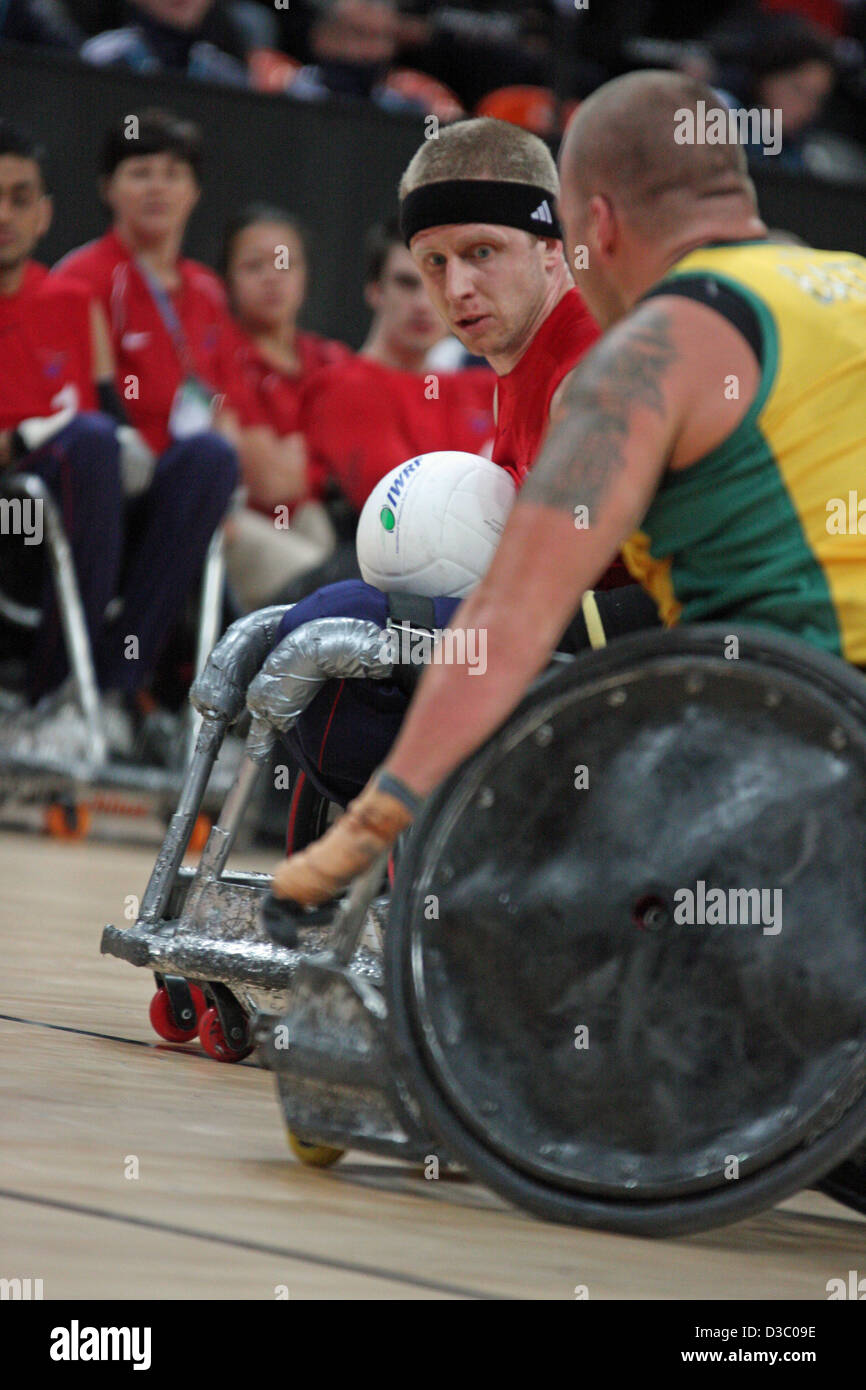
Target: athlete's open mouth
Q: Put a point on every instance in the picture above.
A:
(472, 321)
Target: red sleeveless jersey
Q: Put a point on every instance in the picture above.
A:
(524, 396)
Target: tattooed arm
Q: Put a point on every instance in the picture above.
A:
(612, 431)
(651, 392)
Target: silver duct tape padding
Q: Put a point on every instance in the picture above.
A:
(221, 688)
(294, 673)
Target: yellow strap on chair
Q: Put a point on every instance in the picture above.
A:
(592, 618)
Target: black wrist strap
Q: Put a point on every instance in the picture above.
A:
(110, 403)
(385, 782)
(413, 613)
(17, 447)
(416, 610)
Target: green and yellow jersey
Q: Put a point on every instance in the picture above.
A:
(770, 527)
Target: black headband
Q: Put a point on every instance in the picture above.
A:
(522, 205)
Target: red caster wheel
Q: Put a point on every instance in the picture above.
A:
(213, 1039)
(163, 1021)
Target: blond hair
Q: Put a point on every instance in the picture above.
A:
(482, 148)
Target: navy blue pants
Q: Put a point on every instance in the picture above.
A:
(348, 729)
(147, 551)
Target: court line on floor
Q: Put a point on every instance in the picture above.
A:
(257, 1247)
(184, 1049)
(188, 1050)
(112, 1037)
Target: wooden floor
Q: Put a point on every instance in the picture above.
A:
(219, 1208)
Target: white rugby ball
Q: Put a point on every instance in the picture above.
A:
(432, 525)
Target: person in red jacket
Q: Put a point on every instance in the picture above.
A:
(170, 326)
(171, 336)
(61, 419)
(54, 358)
(284, 530)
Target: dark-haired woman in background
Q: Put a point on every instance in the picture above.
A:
(265, 267)
(782, 64)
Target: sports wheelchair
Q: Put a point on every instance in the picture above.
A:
(528, 995)
(48, 776)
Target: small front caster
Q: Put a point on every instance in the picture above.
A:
(164, 1022)
(215, 1043)
(313, 1155)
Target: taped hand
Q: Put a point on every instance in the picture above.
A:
(369, 826)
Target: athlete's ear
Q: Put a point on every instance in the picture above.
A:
(46, 214)
(373, 296)
(552, 252)
(603, 227)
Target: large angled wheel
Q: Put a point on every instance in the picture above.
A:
(847, 1183)
(578, 1045)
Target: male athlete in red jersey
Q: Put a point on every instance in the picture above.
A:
(491, 256)
(500, 283)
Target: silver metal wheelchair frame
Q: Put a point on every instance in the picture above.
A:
(39, 778)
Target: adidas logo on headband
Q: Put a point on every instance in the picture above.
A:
(502, 202)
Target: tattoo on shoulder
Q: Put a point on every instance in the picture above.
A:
(585, 449)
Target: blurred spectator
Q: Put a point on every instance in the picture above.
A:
(95, 16)
(195, 37)
(46, 23)
(171, 336)
(831, 15)
(782, 63)
(366, 416)
(53, 357)
(294, 23)
(56, 373)
(264, 262)
(477, 47)
(353, 44)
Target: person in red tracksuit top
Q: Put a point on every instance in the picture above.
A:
(170, 334)
(284, 530)
(170, 326)
(54, 363)
(134, 539)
